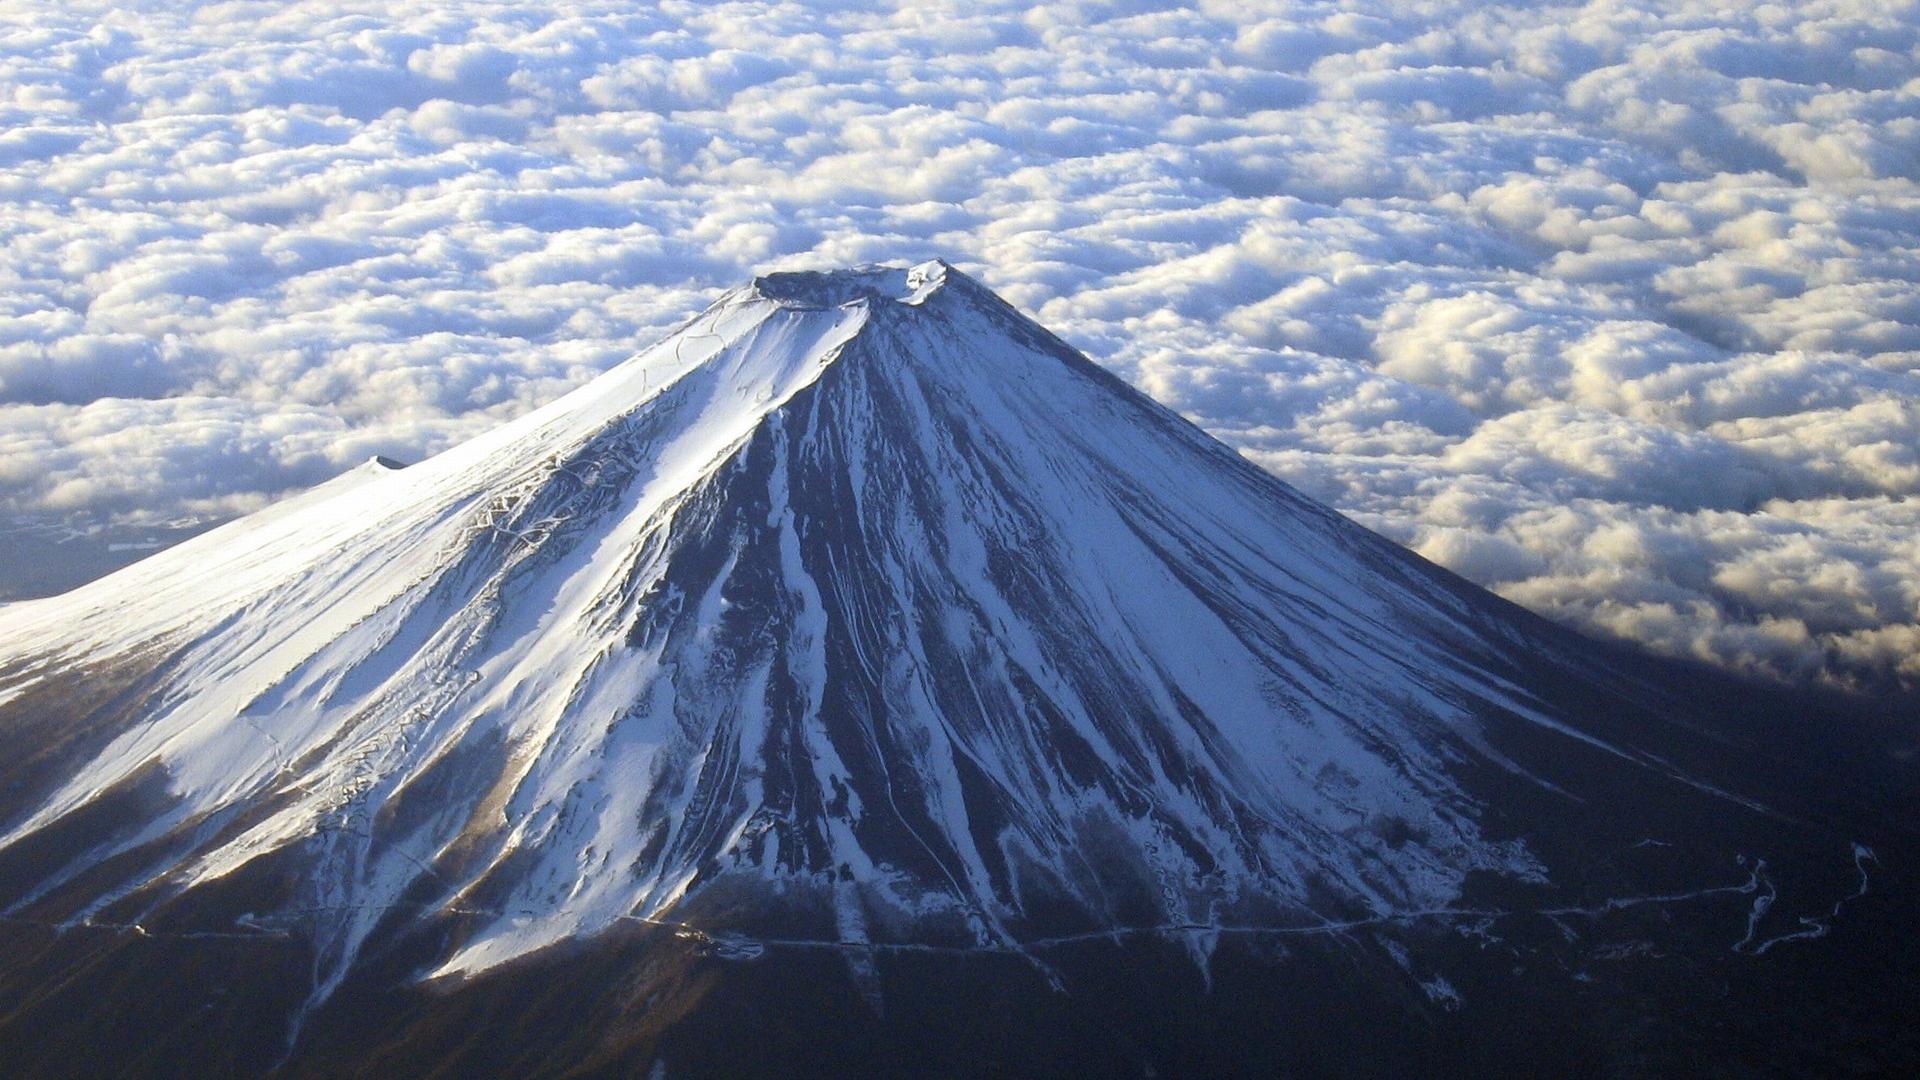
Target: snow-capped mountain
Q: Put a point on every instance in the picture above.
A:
(860, 614)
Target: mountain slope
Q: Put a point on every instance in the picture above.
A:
(860, 613)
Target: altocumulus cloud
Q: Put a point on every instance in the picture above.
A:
(1609, 307)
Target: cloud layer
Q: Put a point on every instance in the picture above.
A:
(1612, 308)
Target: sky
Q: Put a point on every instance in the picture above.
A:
(1611, 308)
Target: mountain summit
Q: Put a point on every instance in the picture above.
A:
(861, 618)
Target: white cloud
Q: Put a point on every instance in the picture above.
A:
(1608, 306)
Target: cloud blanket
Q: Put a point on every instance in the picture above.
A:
(1612, 308)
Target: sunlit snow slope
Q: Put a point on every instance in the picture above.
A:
(861, 606)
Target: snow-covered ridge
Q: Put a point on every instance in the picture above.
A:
(860, 596)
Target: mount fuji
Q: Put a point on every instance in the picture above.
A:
(861, 680)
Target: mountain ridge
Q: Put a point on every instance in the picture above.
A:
(859, 614)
